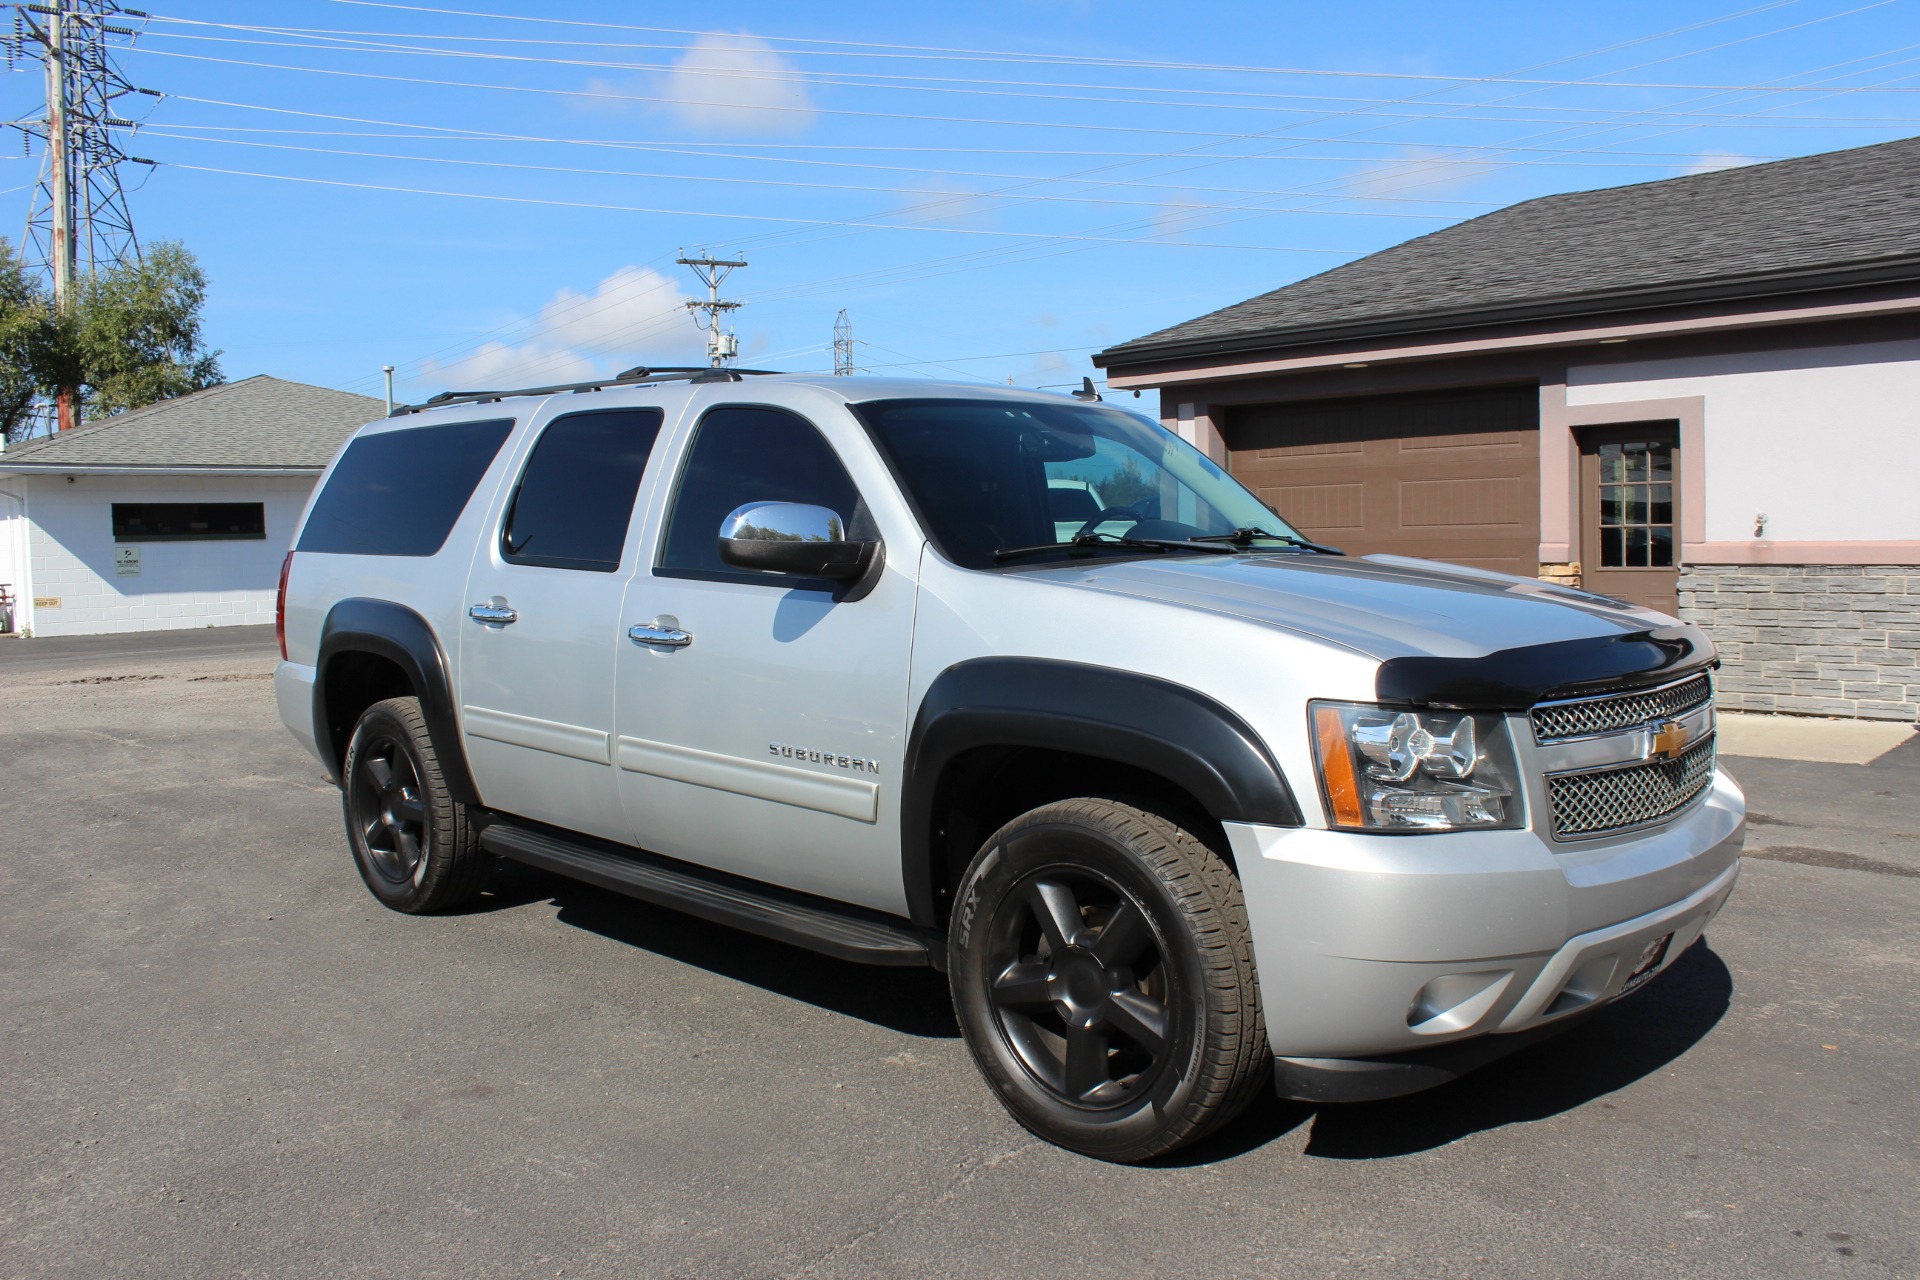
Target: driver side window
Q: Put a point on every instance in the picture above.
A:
(742, 455)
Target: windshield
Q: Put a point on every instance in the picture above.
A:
(988, 476)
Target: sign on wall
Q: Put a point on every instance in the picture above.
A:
(46, 602)
(126, 561)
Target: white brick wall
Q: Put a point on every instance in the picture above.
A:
(180, 584)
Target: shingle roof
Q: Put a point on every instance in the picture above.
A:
(1736, 232)
(257, 422)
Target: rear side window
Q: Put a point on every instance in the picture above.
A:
(750, 455)
(398, 493)
(575, 499)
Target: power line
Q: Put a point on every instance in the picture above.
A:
(740, 217)
(609, 95)
(920, 84)
(849, 48)
(162, 132)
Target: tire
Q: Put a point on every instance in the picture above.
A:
(414, 847)
(1102, 974)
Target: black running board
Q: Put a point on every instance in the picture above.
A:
(765, 910)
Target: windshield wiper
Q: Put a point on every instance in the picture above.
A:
(1245, 535)
(1086, 542)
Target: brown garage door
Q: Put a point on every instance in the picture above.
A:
(1445, 475)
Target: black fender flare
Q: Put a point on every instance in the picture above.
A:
(1182, 735)
(398, 634)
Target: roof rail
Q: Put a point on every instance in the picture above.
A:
(639, 375)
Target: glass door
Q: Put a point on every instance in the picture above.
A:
(1629, 513)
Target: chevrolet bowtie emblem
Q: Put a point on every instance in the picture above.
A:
(1669, 738)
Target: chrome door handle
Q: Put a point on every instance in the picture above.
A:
(660, 637)
(497, 613)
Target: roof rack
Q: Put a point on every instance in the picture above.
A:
(639, 375)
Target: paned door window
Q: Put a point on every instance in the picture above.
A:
(1636, 504)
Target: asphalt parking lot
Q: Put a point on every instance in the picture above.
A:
(221, 1057)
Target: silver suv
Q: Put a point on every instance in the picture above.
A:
(1020, 687)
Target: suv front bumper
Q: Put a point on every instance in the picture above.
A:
(1392, 963)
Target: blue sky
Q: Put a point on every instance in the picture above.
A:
(991, 190)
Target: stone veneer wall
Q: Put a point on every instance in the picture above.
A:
(1828, 640)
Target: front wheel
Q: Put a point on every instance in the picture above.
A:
(412, 844)
(1102, 974)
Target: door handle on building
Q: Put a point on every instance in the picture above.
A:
(659, 636)
(498, 614)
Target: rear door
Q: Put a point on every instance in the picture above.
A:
(541, 631)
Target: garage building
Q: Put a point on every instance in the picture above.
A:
(1701, 394)
(173, 515)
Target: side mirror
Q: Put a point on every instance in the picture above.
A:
(793, 537)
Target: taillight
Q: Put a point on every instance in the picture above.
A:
(280, 606)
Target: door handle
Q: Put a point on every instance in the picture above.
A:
(495, 613)
(660, 637)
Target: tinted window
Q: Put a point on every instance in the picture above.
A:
(398, 493)
(182, 521)
(750, 455)
(575, 498)
(987, 475)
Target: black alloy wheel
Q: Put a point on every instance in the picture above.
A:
(1080, 986)
(384, 799)
(1102, 973)
(414, 847)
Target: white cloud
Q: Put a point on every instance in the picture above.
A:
(1416, 173)
(1708, 161)
(634, 316)
(1174, 219)
(734, 85)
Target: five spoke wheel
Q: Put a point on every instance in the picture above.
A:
(1079, 991)
(389, 810)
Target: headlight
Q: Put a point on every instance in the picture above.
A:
(1387, 770)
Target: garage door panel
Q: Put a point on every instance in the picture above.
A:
(1445, 476)
(1324, 506)
(1489, 501)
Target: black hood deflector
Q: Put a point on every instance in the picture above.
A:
(1515, 679)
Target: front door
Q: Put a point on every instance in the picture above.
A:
(762, 717)
(537, 647)
(1629, 513)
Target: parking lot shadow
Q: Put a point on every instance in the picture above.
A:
(911, 1001)
(1618, 1046)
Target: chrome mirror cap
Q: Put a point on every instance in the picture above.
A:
(792, 537)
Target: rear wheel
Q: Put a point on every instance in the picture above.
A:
(1102, 972)
(412, 844)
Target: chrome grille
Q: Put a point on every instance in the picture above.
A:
(1591, 804)
(1577, 718)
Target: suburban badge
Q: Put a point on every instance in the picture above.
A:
(854, 764)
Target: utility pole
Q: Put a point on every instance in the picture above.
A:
(723, 344)
(388, 370)
(79, 215)
(842, 346)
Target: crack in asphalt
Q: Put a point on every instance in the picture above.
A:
(906, 1209)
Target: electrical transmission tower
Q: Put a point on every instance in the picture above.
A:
(723, 344)
(843, 346)
(79, 220)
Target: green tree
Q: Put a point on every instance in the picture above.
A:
(24, 317)
(129, 337)
(135, 331)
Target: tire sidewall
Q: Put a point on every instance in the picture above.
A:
(1016, 852)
